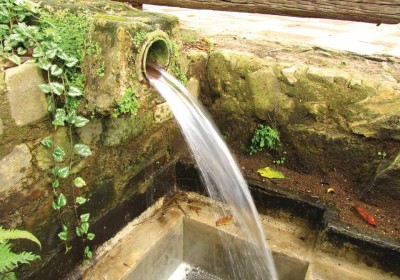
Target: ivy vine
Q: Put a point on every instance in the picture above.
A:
(57, 42)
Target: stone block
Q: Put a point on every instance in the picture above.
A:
(14, 167)
(1, 127)
(90, 133)
(27, 102)
(162, 113)
(290, 74)
(388, 177)
(117, 131)
(193, 86)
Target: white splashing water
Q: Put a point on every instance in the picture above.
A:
(222, 176)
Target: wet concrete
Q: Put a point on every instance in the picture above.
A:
(153, 245)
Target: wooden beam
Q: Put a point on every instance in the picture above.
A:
(374, 11)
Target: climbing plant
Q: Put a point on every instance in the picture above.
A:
(58, 42)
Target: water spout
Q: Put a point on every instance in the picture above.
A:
(219, 171)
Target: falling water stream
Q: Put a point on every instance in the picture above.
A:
(220, 173)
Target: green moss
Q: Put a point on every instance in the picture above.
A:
(111, 17)
(129, 104)
(175, 68)
(139, 37)
(189, 36)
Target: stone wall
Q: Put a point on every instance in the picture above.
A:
(133, 156)
(335, 112)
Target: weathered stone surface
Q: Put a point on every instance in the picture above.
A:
(387, 178)
(268, 96)
(44, 155)
(120, 38)
(162, 113)
(193, 86)
(117, 131)
(1, 127)
(290, 74)
(14, 167)
(90, 133)
(27, 102)
(378, 116)
(320, 111)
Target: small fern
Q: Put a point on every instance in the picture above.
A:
(10, 260)
(9, 234)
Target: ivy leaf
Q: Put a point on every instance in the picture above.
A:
(80, 200)
(44, 64)
(51, 53)
(56, 71)
(85, 227)
(89, 254)
(61, 172)
(47, 142)
(55, 206)
(85, 217)
(59, 117)
(57, 88)
(62, 200)
(71, 117)
(87, 250)
(46, 88)
(21, 51)
(82, 149)
(79, 182)
(16, 59)
(80, 121)
(78, 231)
(74, 91)
(37, 52)
(59, 154)
(63, 55)
(71, 62)
(63, 235)
(91, 236)
(50, 104)
(55, 184)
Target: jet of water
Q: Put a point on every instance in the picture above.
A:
(222, 176)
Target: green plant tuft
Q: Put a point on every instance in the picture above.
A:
(129, 104)
(264, 138)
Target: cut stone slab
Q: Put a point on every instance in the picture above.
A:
(27, 102)
(14, 166)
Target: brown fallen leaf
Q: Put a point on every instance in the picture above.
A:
(195, 208)
(224, 220)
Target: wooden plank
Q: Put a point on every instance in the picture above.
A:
(374, 11)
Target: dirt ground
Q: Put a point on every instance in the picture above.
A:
(385, 210)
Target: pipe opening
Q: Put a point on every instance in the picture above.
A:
(155, 49)
(158, 54)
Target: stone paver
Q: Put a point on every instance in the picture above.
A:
(357, 37)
